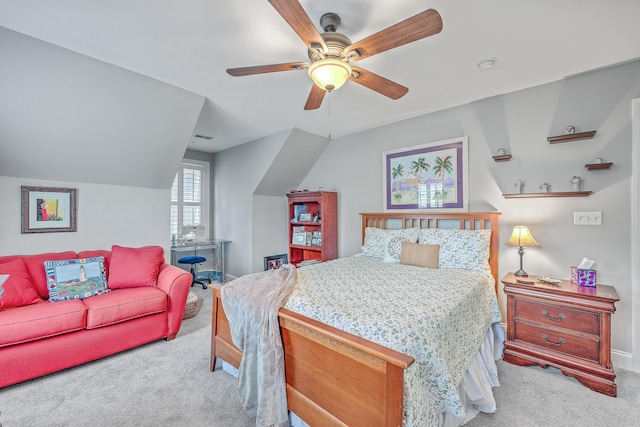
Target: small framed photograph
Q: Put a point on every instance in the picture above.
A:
(304, 217)
(299, 238)
(275, 261)
(48, 210)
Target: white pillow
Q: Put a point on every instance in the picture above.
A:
(465, 249)
(393, 245)
(374, 239)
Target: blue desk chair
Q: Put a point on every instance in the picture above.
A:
(194, 260)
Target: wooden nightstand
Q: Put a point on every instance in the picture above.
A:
(565, 326)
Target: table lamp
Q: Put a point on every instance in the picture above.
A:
(521, 237)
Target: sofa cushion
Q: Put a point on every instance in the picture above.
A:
(76, 278)
(17, 290)
(34, 264)
(134, 267)
(33, 322)
(124, 304)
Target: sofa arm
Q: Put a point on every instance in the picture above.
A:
(176, 283)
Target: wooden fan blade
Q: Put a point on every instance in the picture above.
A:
(315, 98)
(261, 69)
(417, 27)
(299, 21)
(378, 83)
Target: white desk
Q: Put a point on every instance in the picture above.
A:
(218, 246)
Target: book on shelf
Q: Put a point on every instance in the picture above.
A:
(297, 210)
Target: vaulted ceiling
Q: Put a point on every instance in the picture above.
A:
(190, 44)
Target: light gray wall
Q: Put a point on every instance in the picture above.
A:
(237, 172)
(68, 117)
(520, 122)
(246, 178)
(106, 215)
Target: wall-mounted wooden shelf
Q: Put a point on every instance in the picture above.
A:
(571, 137)
(551, 194)
(593, 166)
(502, 158)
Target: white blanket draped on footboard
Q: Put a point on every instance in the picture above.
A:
(251, 304)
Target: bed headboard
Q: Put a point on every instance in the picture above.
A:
(420, 219)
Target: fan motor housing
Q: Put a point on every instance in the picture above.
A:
(336, 43)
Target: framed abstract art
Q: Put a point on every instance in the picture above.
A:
(47, 210)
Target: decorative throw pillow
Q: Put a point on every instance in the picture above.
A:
(374, 239)
(393, 245)
(419, 255)
(17, 290)
(76, 278)
(134, 267)
(465, 249)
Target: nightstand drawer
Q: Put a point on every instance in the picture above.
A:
(563, 317)
(559, 341)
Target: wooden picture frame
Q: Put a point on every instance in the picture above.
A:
(431, 177)
(48, 210)
(275, 261)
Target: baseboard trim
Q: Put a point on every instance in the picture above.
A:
(622, 360)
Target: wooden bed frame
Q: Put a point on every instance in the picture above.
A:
(335, 378)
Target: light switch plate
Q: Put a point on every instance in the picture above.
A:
(587, 218)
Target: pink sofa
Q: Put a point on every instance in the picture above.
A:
(44, 337)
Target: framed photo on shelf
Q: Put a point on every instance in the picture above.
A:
(275, 261)
(48, 210)
(304, 217)
(432, 176)
(316, 238)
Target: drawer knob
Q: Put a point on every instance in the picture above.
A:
(557, 344)
(555, 319)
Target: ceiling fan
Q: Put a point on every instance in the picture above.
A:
(331, 52)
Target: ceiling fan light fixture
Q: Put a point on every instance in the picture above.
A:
(329, 74)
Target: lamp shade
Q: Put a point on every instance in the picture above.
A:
(329, 74)
(522, 237)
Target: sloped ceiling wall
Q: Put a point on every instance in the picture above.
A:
(68, 117)
(297, 156)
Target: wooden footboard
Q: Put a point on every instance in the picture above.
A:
(333, 378)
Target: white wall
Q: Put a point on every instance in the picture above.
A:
(106, 215)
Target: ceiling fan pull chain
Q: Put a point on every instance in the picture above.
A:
(329, 115)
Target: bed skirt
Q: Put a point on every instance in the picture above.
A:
(475, 389)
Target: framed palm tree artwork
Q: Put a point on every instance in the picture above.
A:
(431, 176)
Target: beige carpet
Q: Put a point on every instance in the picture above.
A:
(169, 384)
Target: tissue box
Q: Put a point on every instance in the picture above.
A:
(583, 277)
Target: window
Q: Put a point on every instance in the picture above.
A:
(190, 198)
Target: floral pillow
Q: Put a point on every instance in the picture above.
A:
(374, 240)
(464, 249)
(393, 245)
(76, 278)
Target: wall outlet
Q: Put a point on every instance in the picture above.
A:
(587, 218)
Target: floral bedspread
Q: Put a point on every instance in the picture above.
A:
(437, 316)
